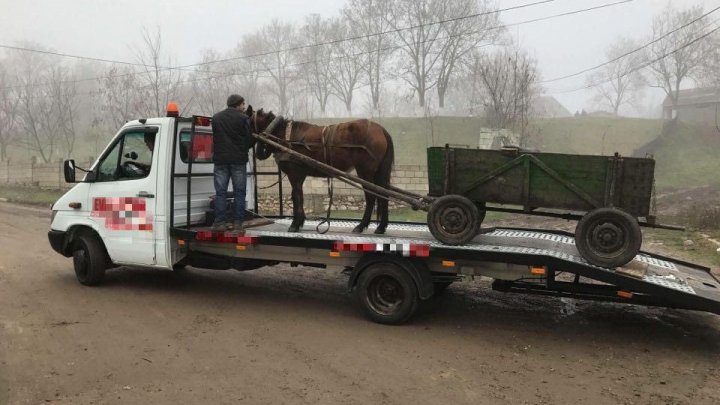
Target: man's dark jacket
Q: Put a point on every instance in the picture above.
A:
(231, 137)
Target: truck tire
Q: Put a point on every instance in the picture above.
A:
(608, 237)
(454, 219)
(387, 293)
(89, 260)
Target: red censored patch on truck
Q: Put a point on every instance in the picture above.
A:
(122, 213)
(406, 249)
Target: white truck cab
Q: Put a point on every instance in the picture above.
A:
(119, 213)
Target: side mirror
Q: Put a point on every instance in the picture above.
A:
(69, 171)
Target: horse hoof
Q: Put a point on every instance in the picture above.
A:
(380, 230)
(294, 228)
(358, 229)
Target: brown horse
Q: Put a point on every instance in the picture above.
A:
(361, 144)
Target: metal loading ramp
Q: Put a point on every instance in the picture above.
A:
(649, 279)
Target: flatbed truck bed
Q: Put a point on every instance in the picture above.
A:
(519, 260)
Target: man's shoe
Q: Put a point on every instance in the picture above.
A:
(239, 226)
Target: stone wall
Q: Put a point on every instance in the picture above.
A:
(345, 197)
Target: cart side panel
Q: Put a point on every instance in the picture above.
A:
(561, 181)
(436, 170)
(636, 186)
(571, 183)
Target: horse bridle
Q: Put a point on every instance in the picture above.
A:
(253, 118)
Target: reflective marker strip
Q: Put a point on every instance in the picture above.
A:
(406, 249)
(226, 237)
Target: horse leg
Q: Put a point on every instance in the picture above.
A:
(297, 198)
(365, 221)
(382, 204)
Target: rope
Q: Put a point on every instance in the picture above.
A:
(326, 220)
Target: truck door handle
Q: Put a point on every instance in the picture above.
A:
(145, 194)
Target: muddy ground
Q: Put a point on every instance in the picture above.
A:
(293, 335)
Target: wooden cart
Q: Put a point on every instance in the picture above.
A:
(608, 194)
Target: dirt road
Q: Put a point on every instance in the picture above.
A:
(292, 335)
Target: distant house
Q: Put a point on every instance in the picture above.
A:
(699, 106)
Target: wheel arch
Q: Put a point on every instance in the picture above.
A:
(75, 232)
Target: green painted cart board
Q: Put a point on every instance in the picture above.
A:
(542, 180)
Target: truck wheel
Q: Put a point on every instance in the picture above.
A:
(608, 237)
(387, 293)
(89, 260)
(454, 219)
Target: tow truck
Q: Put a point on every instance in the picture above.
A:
(145, 204)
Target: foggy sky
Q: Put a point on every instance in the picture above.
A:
(109, 29)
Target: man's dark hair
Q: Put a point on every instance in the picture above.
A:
(235, 100)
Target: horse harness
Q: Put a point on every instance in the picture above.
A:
(327, 142)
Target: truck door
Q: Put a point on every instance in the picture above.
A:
(123, 196)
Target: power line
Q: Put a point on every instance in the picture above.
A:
(393, 47)
(267, 53)
(66, 55)
(222, 75)
(631, 52)
(375, 34)
(571, 12)
(642, 66)
(185, 67)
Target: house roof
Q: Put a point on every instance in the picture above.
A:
(696, 96)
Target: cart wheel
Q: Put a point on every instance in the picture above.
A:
(454, 219)
(608, 237)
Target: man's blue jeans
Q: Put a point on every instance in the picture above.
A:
(223, 173)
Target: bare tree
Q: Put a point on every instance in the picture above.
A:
(118, 98)
(418, 45)
(8, 113)
(212, 82)
(709, 72)
(346, 66)
(367, 19)
(432, 50)
(463, 35)
(63, 91)
(161, 84)
(273, 40)
(39, 118)
(619, 82)
(316, 69)
(248, 70)
(510, 79)
(671, 70)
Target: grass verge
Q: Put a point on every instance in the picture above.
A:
(29, 195)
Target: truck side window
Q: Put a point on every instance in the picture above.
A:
(202, 147)
(130, 158)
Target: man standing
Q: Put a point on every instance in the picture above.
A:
(231, 141)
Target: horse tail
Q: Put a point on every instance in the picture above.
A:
(382, 176)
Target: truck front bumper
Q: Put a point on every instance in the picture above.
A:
(57, 241)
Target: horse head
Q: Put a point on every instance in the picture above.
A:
(259, 122)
